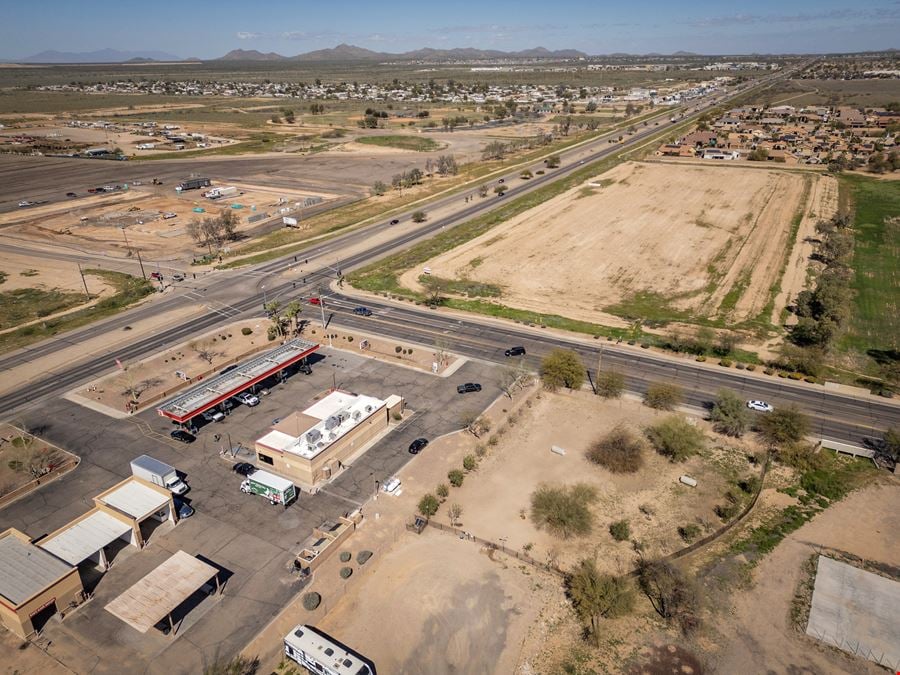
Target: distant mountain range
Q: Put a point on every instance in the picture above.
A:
(100, 56)
(345, 52)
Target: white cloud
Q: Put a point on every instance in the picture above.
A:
(247, 35)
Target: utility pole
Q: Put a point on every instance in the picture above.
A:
(127, 245)
(86, 293)
(322, 307)
(143, 274)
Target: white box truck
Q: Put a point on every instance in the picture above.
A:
(158, 473)
(276, 489)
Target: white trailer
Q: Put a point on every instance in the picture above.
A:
(319, 653)
(158, 473)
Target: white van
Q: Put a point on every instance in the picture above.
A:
(391, 485)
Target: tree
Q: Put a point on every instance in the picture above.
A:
(671, 592)
(513, 378)
(663, 395)
(610, 384)
(620, 450)
(455, 512)
(288, 115)
(564, 510)
(482, 190)
(597, 596)
(562, 368)
(892, 444)
(206, 351)
(729, 414)
(552, 161)
(675, 438)
(761, 154)
(419, 217)
(291, 312)
(783, 426)
(428, 505)
(228, 223)
(379, 188)
(435, 288)
(447, 166)
(475, 424)
(501, 189)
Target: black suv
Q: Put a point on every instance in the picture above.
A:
(182, 435)
(515, 351)
(363, 311)
(468, 387)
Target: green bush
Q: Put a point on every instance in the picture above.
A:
(663, 395)
(442, 491)
(246, 330)
(795, 376)
(620, 451)
(469, 462)
(345, 556)
(675, 438)
(311, 601)
(564, 510)
(620, 530)
(726, 511)
(726, 363)
(562, 368)
(701, 359)
(363, 557)
(428, 505)
(751, 367)
(769, 371)
(610, 384)
(456, 477)
(346, 572)
(689, 532)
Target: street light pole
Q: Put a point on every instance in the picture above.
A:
(322, 308)
(141, 262)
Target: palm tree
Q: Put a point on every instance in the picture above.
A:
(291, 312)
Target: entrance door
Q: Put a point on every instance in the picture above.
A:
(40, 619)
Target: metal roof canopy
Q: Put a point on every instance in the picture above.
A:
(158, 594)
(26, 570)
(82, 539)
(135, 500)
(218, 388)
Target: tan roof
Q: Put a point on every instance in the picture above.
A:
(155, 596)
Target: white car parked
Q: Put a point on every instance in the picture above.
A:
(247, 398)
(213, 415)
(760, 406)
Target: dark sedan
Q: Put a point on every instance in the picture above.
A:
(243, 468)
(182, 435)
(417, 446)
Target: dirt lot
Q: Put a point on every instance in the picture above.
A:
(709, 240)
(495, 497)
(94, 222)
(24, 457)
(23, 271)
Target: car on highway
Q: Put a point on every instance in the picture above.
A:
(71, 194)
(213, 415)
(468, 387)
(500, 181)
(315, 301)
(515, 351)
(363, 311)
(178, 276)
(395, 221)
(417, 446)
(243, 468)
(247, 399)
(184, 509)
(182, 435)
(760, 406)
(25, 203)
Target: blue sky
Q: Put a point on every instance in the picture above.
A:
(209, 29)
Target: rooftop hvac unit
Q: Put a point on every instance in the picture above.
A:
(313, 435)
(356, 415)
(344, 415)
(332, 422)
(368, 408)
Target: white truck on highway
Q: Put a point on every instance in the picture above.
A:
(158, 473)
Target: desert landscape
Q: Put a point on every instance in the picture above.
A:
(704, 241)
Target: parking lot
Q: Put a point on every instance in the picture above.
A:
(251, 540)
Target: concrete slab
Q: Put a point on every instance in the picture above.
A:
(856, 611)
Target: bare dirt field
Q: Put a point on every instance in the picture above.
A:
(93, 223)
(24, 457)
(496, 496)
(706, 241)
(24, 271)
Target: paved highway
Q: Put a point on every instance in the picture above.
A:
(238, 293)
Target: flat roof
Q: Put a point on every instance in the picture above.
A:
(80, 540)
(26, 570)
(155, 596)
(337, 414)
(135, 499)
(214, 390)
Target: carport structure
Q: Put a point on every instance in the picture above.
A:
(221, 387)
(88, 537)
(159, 594)
(136, 501)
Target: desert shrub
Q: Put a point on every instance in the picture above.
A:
(610, 384)
(363, 557)
(469, 462)
(442, 491)
(346, 572)
(246, 330)
(663, 395)
(675, 438)
(671, 592)
(311, 601)
(700, 358)
(620, 451)
(596, 596)
(480, 450)
(398, 349)
(564, 510)
(750, 485)
(729, 414)
(620, 530)
(726, 511)
(751, 367)
(726, 363)
(562, 368)
(345, 556)
(769, 371)
(428, 505)
(783, 426)
(689, 532)
(456, 477)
